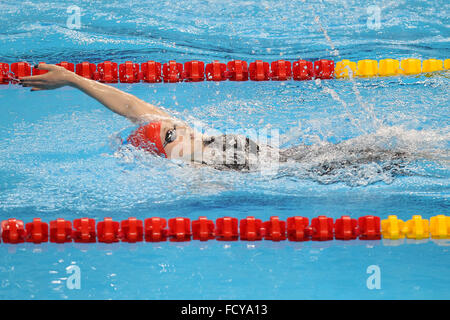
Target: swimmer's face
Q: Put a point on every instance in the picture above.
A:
(187, 143)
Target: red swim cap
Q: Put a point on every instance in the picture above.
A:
(148, 137)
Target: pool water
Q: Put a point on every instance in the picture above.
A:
(61, 155)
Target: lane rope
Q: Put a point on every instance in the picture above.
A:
(180, 229)
(236, 70)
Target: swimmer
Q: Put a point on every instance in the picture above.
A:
(159, 133)
(167, 136)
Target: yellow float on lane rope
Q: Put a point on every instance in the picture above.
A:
(432, 65)
(344, 69)
(447, 64)
(393, 228)
(417, 228)
(389, 67)
(367, 68)
(410, 66)
(440, 227)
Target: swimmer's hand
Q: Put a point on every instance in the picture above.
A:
(55, 78)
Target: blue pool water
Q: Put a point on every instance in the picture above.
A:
(60, 155)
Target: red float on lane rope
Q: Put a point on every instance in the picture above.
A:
(345, 228)
(107, 72)
(21, 69)
(251, 229)
(67, 65)
(203, 229)
(37, 231)
(84, 230)
(108, 231)
(321, 228)
(324, 69)
(155, 229)
(227, 229)
(60, 231)
(237, 70)
(259, 70)
(275, 229)
(172, 72)
(369, 228)
(151, 71)
(296, 228)
(194, 71)
(216, 71)
(180, 229)
(280, 70)
(302, 70)
(129, 72)
(132, 230)
(13, 231)
(86, 70)
(4, 73)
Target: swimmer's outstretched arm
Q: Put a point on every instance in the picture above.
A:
(114, 99)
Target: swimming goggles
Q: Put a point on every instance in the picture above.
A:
(171, 136)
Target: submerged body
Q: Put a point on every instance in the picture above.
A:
(237, 152)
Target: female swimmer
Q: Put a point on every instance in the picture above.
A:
(164, 135)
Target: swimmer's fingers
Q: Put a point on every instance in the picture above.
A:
(37, 89)
(36, 86)
(31, 83)
(48, 67)
(30, 79)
